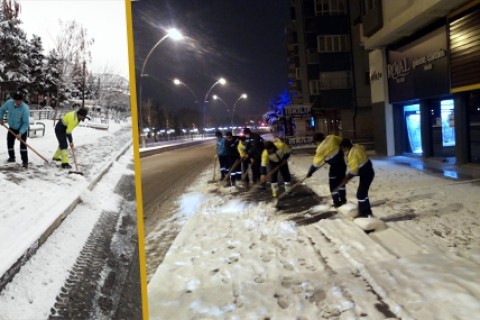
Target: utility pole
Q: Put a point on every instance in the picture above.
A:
(83, 84)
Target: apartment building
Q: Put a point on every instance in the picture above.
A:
(424, 66)
(328, 68)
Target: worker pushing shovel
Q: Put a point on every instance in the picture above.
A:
(26, 144)
(63, 132)
(18, 114)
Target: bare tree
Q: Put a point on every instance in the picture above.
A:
(73, 48)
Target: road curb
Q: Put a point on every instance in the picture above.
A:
(160, 149)
(15, 268)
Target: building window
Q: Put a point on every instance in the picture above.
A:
(312, 57)
(333, 43)
(330, 81)
(335, 80)
(330, 7)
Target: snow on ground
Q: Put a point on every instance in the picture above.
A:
(33, 199)
(239, 260)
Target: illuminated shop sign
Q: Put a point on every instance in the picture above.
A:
(419, 69)
(298, 111)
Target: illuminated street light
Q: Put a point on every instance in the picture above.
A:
(177, 82)
(175, 35)
(221, 81)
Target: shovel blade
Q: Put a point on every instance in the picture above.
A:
(76, 172)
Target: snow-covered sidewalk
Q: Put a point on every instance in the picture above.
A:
(240, 260)
(36, 200)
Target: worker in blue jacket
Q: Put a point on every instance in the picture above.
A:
(18, 114)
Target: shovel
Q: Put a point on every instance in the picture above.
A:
(296, 185)
(75, 162)
(293, 187)
(25, 143)
(271, 172)
(234, 166)
(214, 169)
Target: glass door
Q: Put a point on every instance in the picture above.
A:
(413, 125)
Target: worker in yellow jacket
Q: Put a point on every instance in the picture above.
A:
(245, 160)
(63, 132)
(274, 157)
(359, 165)
(328, 150)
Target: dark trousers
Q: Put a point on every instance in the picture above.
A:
(11, 143)
(235, 167)
(224, 162)
(61, 134)
(245, 166)
(336, 174)
(284, 171)
(255, 167)
(366, 175)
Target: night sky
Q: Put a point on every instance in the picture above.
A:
(242, 41)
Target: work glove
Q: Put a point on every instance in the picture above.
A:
(311, 171)
(286, 156)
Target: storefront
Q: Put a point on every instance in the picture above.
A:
(464, 36)
(419, 90)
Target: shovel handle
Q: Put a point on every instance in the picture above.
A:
(234, 166)
(24, 142)
(293, 187)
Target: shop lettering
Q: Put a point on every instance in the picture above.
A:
(428, 58)
(375, 76)
(298, 111)
(398, 69)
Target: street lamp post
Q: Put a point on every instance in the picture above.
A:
(242, 96)
(215, 97)
(221, 81)
(174, 34)
(177, 82)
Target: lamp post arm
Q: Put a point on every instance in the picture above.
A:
(191, 91)
(235, 104)
(150, 53)
(208, 92)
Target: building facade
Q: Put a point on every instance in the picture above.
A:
(424, 66)
(328, 69)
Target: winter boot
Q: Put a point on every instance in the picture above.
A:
(274, 189)
(11, 160)
(288, 187)
(25, 165)
(66, 166)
